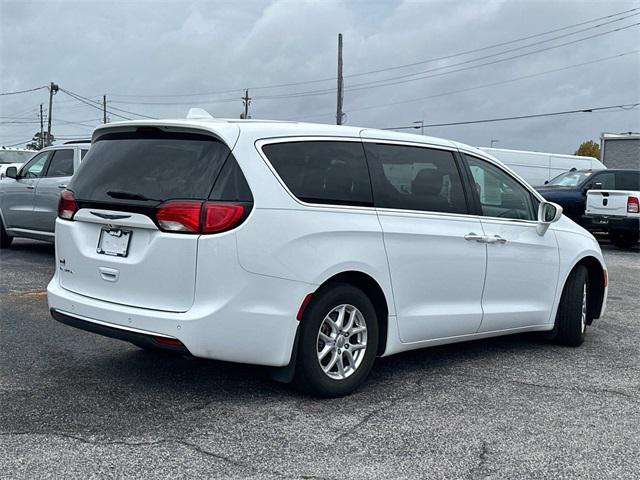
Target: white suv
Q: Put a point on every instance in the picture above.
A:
(313, 248)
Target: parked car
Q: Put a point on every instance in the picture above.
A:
(538, 168)
(569, 190)
(616, 212)
(29, 194)
(312, 249)
(13, 157)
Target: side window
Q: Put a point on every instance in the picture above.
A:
(415, 178)
(607, 179)
(61, 164)
(628, 181)
(83, 152)
(34, 168)
(500, 194)
(231, 186)
(333, 172)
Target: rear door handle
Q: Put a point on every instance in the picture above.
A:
(62, 186)
(474, 236)
(496, 239)
(30, 187)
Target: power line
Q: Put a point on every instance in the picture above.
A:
(520, 117)
(87, 102)
(23, 91)
(396, 67)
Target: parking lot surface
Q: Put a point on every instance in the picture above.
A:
(78, 405)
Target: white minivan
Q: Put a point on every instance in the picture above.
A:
(311, 248)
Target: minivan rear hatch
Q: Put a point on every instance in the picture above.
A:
(114, 249)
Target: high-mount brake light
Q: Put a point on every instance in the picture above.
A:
(67, 206)
(192, 216)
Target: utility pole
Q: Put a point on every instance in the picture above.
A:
(41, 141)
(339, 113)
(53, 89)
(494, 140)
(421, 123)
(246, 101)
(104, 109)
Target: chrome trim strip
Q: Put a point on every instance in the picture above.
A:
(33, 232)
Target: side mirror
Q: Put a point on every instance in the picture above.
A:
(548, 213)
(546, 181)
(12, 172)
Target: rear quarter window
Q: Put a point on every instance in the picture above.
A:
(328, 172)
(156, 165)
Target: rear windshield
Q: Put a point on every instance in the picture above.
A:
(13, 156)
(143, 167)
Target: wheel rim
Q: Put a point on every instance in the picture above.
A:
(583, 316)
(341, 342)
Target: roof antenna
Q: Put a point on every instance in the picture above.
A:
(199, 114)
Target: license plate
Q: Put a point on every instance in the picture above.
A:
(114, 241)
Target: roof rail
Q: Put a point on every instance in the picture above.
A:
(77, 141)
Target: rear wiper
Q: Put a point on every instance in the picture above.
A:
(129, 196)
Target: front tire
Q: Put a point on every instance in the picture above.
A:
(5, 238)
(571, 319)
(338, 342)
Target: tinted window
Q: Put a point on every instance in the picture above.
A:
(34, 168)
(628, 181)
(607, 179)
(155, 165)
(415, 178)
(500, 194)
(323, 172)
(231, 186)
(83, 153)
(61, 165)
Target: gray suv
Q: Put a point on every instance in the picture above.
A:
(29, 195)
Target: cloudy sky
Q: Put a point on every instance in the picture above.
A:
(158, 58)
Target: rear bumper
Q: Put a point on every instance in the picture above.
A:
(137, 337)
(603, 223)
(256, 327)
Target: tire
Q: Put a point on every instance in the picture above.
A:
(318, 333)
(571, 319)
(623, 239)
(5, 239)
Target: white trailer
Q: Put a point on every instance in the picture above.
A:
(538, 167)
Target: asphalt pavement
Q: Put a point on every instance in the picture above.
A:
(77, 405)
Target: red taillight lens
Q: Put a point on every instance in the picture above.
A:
(218, 217)
(170, 342)
(179, 216)
(633, 205)
(67, 206)
(198, 217)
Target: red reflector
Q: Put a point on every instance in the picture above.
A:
(633, 206)
(219, 217)
(303, 306)
(67, 206)
(179, 216)
(170, 342)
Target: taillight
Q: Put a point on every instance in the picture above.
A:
(219, 217)
(633, 206)
(189, 216)
(67, 206)
(179, 216)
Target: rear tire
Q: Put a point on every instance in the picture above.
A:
(5, 238)
(571, 319)
(624, 239)
(336, 350)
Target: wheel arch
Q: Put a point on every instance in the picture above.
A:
(598, 280)
(374, 291)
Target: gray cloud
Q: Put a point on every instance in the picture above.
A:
(130, 50)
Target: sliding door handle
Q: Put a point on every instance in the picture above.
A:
(474, 237)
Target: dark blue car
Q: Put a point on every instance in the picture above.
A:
(570, 189)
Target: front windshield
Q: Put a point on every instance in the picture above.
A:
(569, 179)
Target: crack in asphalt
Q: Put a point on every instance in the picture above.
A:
(179, 441)
(476, 472)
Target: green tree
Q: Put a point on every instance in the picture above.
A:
(589, 148)
(38, 143)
